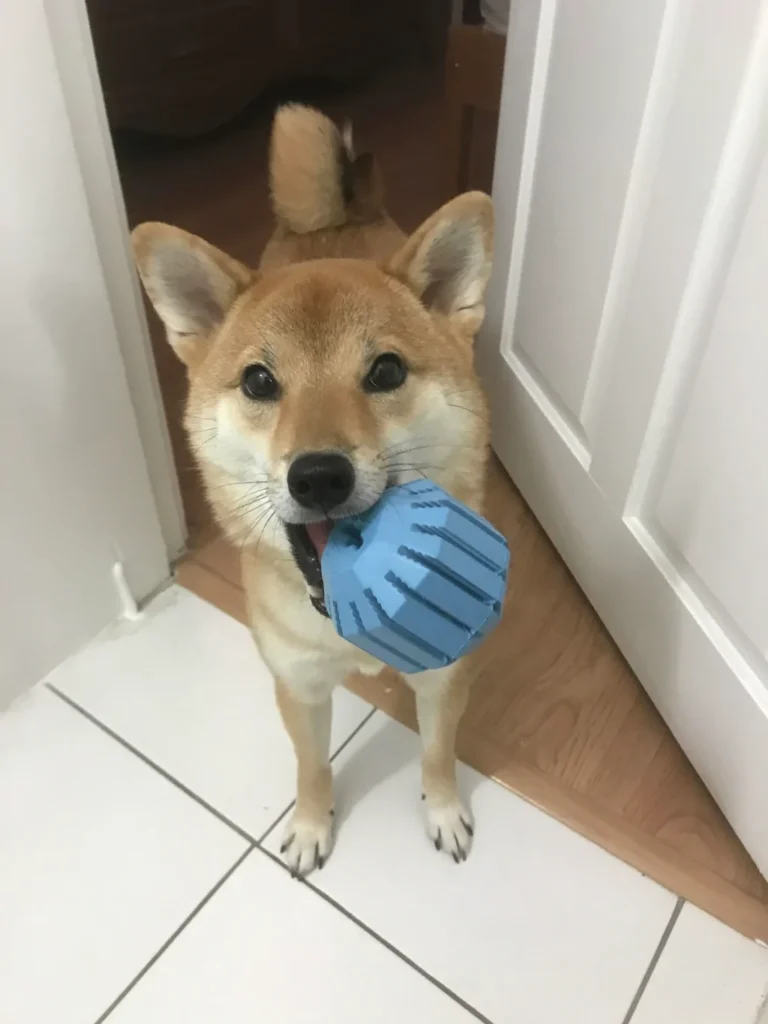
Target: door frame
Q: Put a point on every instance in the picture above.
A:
(75, 58)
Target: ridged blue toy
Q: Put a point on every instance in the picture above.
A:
(418, 580)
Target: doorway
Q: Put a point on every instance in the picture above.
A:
(556, 713)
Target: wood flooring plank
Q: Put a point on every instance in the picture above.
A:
(212, 588)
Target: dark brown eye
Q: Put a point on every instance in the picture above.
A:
(258, 384)
(387, 373)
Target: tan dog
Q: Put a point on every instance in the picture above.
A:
(340, 367)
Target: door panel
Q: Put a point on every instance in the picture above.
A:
(714, 494)
(706, 45)
(586, 140)
(625, 373)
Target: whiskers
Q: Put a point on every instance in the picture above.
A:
(248, 507)
(264, 519)
(252, 517)
(421, 459)
(458, 399)
(201, 432)
(243, 507)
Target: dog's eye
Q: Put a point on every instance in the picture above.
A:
(258, 383)
(387, 373)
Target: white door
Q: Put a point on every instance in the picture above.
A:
(626, 347)
(75, 489)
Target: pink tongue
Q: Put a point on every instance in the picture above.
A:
(319, 534)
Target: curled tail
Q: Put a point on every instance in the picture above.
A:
(316, 180)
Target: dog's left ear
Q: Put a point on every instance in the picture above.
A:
(191, 284)
(447, 261)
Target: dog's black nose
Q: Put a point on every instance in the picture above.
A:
(321, 481)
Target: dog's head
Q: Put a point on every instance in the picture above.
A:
(315, 386)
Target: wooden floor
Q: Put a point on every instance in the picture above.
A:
(556, 714)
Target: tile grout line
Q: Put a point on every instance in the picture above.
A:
(354, 733)
(174, 935)
(319, 893)
(654, 960)
(381, 940)
(334, 755)
(253, 844)
(152, 764)
(253, 840)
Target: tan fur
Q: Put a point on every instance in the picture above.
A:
(304, 171)
(308, 725)
(439, 757)
(189, 323)
(338, 284)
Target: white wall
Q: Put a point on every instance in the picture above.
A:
(75, 493)
(81, 89)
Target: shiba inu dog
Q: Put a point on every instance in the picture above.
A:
(342, 366)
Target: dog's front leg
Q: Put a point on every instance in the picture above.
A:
(309, 834)
(441, 697)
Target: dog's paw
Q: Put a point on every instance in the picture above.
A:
(450, 827)
(307, 843)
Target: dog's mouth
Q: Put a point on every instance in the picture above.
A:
(308, 541)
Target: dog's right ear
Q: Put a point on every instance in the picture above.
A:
(447, 261)
(191, 284)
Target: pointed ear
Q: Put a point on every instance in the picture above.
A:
(191, 284)
(447, 261)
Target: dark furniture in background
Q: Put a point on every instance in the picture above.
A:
(474, 68)
(183, 67)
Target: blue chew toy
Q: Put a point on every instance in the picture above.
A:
(418, 580)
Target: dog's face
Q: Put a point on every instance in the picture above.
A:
(316, 386)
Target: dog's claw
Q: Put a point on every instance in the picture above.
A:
(450, 829)
(307, 844)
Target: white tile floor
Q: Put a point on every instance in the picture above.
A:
(140, 881)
